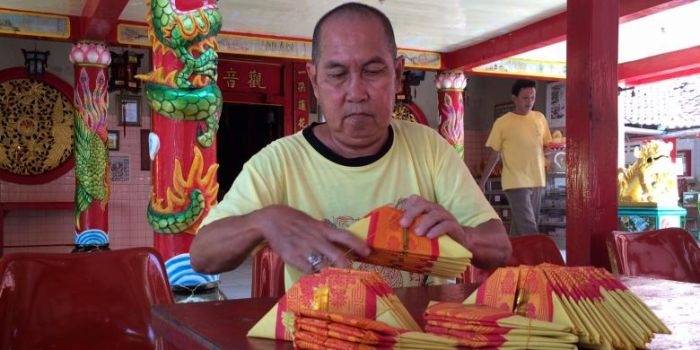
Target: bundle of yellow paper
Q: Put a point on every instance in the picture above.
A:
(601, 311)
(341, 291)
(324, 330)
(481, 326)
(400, 248)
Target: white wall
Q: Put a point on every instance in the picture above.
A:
(425, 96)
(58, 63)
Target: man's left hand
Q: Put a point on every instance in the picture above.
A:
(434, 219)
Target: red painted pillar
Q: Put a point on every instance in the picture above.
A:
(185, 107)
(591, 126)
(450, 85)
(92, 176)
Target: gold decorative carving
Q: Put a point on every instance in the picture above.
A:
(402, 112)
(36, 128)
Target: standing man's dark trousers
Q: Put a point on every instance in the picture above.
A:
(525, 209)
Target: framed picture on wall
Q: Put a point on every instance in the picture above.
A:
(556, 104)
(113, 140)
(130, 110)
(683, 162)
(502, 108)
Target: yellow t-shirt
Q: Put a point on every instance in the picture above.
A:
(291, 171)
(520, 138)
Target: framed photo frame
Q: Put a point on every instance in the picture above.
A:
(130, 110)
(556, 104)
(502, 108)
(684, 162)
(113, 140)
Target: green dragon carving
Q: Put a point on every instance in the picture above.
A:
(91, 157)
(90, 167)
(177, 222)
(201, 104)
(189, 94)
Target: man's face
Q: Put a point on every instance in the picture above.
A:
(355, 79)
(525, 100)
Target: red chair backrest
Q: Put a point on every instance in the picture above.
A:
(95, 300)
(527, 250)
(670, 253)
(268, 274)
(533, 250)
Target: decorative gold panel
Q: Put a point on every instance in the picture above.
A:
(36, 127)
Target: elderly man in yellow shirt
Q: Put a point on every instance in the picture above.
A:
(518, 137)
(338, 171)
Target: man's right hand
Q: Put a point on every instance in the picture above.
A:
(296, 236)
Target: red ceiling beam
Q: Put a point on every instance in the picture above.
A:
(635, 9)
(545, 32)
(660, 67)
(99, 18)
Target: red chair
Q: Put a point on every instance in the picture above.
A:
(533, 250)
(96, 300)
(669, 253)
(268, 274)
(527, 250)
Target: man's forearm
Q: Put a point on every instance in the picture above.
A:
(224, 244)
(488, 243)
(494, 157)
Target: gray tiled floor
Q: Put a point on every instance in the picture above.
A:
(236, 284)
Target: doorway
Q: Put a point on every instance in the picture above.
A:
(244, 129)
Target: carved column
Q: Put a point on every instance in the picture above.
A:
(450, 85)
(92, 176)
(185, 107)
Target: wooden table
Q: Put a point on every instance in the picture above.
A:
(224, 324)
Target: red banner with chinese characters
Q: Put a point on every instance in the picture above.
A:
(302, 96)
(250, 77)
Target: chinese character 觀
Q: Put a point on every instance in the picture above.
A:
(255, 79)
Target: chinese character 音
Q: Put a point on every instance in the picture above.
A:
(231, 77)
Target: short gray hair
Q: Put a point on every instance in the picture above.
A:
(358, 9)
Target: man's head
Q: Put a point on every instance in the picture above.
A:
(356, 9)
(523, 95)
(355, 72)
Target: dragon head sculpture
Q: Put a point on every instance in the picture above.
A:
(651, 178)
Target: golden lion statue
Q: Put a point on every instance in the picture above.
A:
(651, 179)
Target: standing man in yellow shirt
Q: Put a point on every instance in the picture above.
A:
(518, 137)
